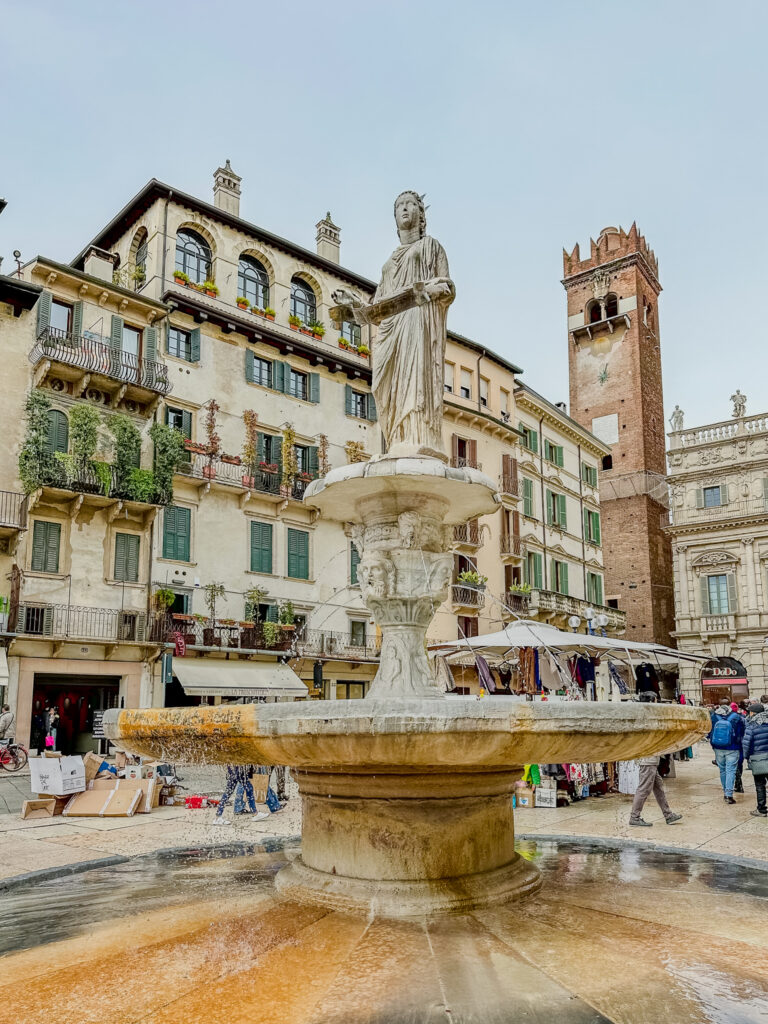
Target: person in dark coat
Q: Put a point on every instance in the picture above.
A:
(755, 750)
(39, 727)
(726, 736)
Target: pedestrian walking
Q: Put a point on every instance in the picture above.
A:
(650, 781)
(236, 775)
(7, 722)
(244, 793)
(755, 750)
(726, 737)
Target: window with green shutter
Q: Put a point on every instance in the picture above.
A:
(298, 554)
(556, 510)
(594, 588)
(58, 431)
(530, 437)
(179, 419)
(127, 557)
(261, 547)
(589, 474)
(46, 541)
(553, 452)
(591, 526)
(176, 531)
(354, 562)
(533, 570)
(528, 505)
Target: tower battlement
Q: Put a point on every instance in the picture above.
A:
(612, 244)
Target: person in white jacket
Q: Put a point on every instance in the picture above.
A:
(650, 782)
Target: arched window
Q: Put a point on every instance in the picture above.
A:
(611, 306)
(193, 256)
(253, 282)
(58, 431)
(594, 313)
(303, 303)
(139, 258)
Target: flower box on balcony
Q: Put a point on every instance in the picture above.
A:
(269, 313)
(194, 447)
(306, 330)
(209, 472)
(231, 460)
(180, 277)
(268, 467)
(343, 344)
(245, 305)
(181, 617)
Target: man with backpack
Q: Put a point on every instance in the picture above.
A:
(755, 747)
(726, 737)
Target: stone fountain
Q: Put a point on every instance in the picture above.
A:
(407, 796)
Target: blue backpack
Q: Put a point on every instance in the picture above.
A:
(722, 734)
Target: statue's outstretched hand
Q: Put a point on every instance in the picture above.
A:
(439, 287)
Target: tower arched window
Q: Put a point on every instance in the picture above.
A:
(253, 282)
(303, 302)
(594, 313)
(611, 306)
(193, 256)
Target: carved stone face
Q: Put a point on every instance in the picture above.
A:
(407, 213)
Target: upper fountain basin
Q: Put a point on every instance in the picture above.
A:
(466, 492)
(418, 735)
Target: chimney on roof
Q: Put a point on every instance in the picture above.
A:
(562, 407)
(328, 239)
(226, 190)
(99, 263)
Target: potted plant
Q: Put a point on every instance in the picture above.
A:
(180, 277)
(242, 302)
(255, 596)
(318, 329)
(286, 617)
(213, 448)
(473, 580)
(210, 289)
(231, 460)
(294, 322)
(250, 447)
(363, 350)
(164, 598)
(269, 313)
(213, 592)
(520, 588)
(139, 274)
(194, 446)
(181, 617)
(343, 343)
(306, 329)
(271, 633)
(268, 467)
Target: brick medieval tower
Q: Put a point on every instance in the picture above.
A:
(614, 360)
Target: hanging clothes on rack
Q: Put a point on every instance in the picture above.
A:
(617, 678)
(647, 678)
(484, 674)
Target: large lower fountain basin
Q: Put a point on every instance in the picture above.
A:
(407, 808)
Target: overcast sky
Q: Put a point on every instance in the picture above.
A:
(530, 126)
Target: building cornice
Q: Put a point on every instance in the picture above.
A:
(540, 407)
(40, 264)
(582, 276)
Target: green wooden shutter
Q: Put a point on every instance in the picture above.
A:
(46, 540)
(57, 439)
(564, 578)
(261, 547)
(527, 497)
(559, 455)
(313, 461)
(314, 388)
(260, 454)
(77, 319)
(348, 406)
(537, 571)
(186, 424)
(534, 442)
(279, 376)
(116, 333)
(550, 507)
(44, 312)
(598, 589)
(562, 516)
(733, 601)
(704, 591)
(586, 524)
(298, 554)
(272, 613)
(176, 528)
(596, 527)
(250, 373)
(354, 562)
(150, 344)
(194, 345)
(372, 413)
(127, 557)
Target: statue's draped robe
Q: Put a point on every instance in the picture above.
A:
(410, 350)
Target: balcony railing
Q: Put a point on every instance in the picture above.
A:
(91, 354)
(467, 534)
(320, 643)
(516, 603)
(84, 479)
(461, 462)
(225, 633)
(201, 467)
(719, 624)
(565, 605)
(467, 597)
(62, 621)
(13, 510)
(510, 486)
(511, 544)
(745, 508)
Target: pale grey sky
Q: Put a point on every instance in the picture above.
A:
(530, 126)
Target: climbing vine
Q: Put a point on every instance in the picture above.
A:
(290, 463)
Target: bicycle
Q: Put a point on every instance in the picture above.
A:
(13, 756)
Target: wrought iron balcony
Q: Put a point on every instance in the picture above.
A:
(90, 353)
(551, 605)
(13, 511)
(517, 604)
(467, 535)
(87, 480)
(221, 632)
(512, 545)
(465, 463)
(333, 646)
(234, 474)
(74, 622)
(510, 486)
(464, 596)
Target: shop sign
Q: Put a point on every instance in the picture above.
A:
(737, 681)
(98, 725)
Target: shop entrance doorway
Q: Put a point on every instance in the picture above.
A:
(724, 679)
(80, 702)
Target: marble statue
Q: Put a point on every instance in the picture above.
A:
(676, 419)
(739, 404)
(410, 308)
